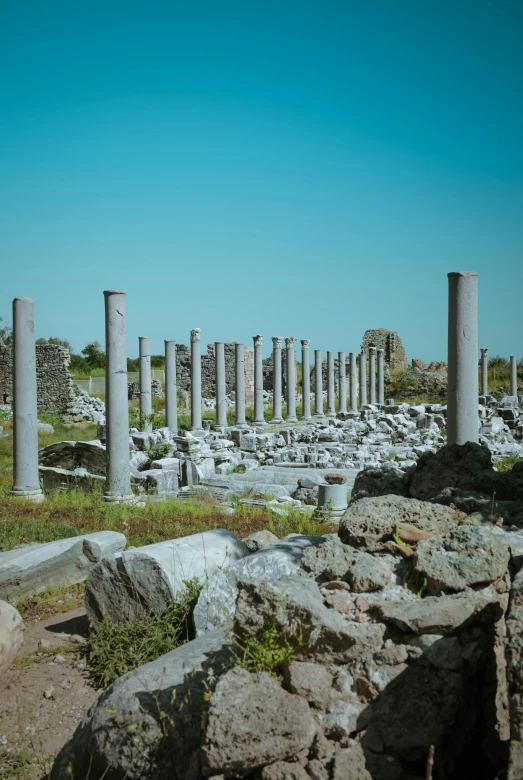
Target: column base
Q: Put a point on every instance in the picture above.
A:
(113, 498)
(305, 419)
(35, 495)
(220, 428)
(276, 421)
(259, 422)
(291, 419)
(330, 415)
(241, 425)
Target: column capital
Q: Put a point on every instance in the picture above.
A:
(381, 351)
(276, 341)
(258, 340)
(484, 353)
(289, 341)
(305, 343)
(372, 350)
(195, 334)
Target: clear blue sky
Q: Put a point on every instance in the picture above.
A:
(287, 168)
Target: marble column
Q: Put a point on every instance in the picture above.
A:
(363, 378)
(331, 394)
(381, 377)
(118, 473)
(342, 377)
(305, 381)
(318, 384)
(239, 386)
(276, 380)
(26, 482)
(171, 390)
(144, 379)
(259, 417)
(372, 375)
(291, 380)
(484, 372)
(513, 376)
(462, 393)
(353, 381)
(221, 407)
(196, 381)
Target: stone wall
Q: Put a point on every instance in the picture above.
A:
(388, 340)
(54, 383)
(183, 371)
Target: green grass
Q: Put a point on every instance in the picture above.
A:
(51, 601)
(270, 650)
(507, 463)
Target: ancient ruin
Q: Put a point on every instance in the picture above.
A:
(394, 352)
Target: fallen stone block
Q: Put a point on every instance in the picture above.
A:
(33, 568)
(11, 635)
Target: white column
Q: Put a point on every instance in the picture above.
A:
(305, 381)
(259, 417)
(462, 393)
(372, 375)
(318, 384)
(513, 376)
(381, 377)
(171, 390)
(484, 372)
(353, 383)
(363, 378)
(221, 407)
(276, 380)
(26, 483)
(196, 381)
(144, 377)
(331, 408)
(239, 373)
(118, 477)
(291, 380)
(342, 376)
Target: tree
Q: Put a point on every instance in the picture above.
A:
(55, 340)
(94, 355)
(6, 332)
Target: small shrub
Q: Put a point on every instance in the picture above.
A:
(241, 468)
(415, 581)
(269, 650)
(159, 451)
(115, 650)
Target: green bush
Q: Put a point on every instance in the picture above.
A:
(159, 451)
(270, 650)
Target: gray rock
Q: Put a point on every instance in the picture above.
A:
(259, 540)
(284, 770)
(331, 560)
(252, 721)
(311, 681)
(378, 482)
(369, 574)
(514, 655)
(350, 764)
(44, 427)
(466, 557)
(11, 634)
(148, 724)
(343, 718)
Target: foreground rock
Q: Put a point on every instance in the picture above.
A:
(11, 635)
(28, 570)
(137, 582)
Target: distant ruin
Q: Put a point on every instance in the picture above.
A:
(388, 340)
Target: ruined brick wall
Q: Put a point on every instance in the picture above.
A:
(54, 384)
(183, 370)
(388, 340)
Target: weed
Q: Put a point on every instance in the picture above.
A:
(52, 601)
(507, 463)
(270, 650)
(159, 451)
(415, 581)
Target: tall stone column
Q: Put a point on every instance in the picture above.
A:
(196, 381)
(291, 380)
(342, 376)
(363, 378)
(318, 384)
(221, 407)
(331, 395)
(353, 381)
(144, 378)
(118, 476)
(259, 417)
(381, 377)
(305, 381)
(171, 390)
(372, 375)
(239, 387)
(26, 483)
(484, 372)
(462, 393)
(276, 380)
(513, 376)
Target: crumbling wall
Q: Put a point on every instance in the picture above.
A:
(55, 389)
(390, 342)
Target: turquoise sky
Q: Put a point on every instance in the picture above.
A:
(311, 169)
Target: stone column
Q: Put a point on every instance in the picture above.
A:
(171, 391)
(221, 407)
(276, 380)
(291, 380)
(196, 381)
(239, 386)
(353, 381)
(118, 477)
(513, 376)
(259, 417)
(363, 378)
(144, 377)
(381, 377)
(372, 375)
(462, 393)
(342, 376)
(484, 372)
(331, 396)
(26, 483)
(305, 381)
(318, 384)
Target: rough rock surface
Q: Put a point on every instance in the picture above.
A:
(514, 653)
(11, 634)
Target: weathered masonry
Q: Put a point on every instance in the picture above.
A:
(389, 341)
(55, 389)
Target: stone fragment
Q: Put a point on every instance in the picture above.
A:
(11, 635)
(311, 681)
(368, 573)
(350, 764)
(252, 721)
(514, 655)
(343, 718)
(284, 770)
(372, 482)
(259, 540)
(409, 533)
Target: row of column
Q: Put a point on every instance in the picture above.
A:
(513, 374)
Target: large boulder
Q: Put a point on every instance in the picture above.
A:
(148, 724)
(27, 570)
(334, 560)
(148, 579)
(380, 481)
(11, 634)
(514, 655)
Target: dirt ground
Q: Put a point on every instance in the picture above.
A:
(43, 696)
